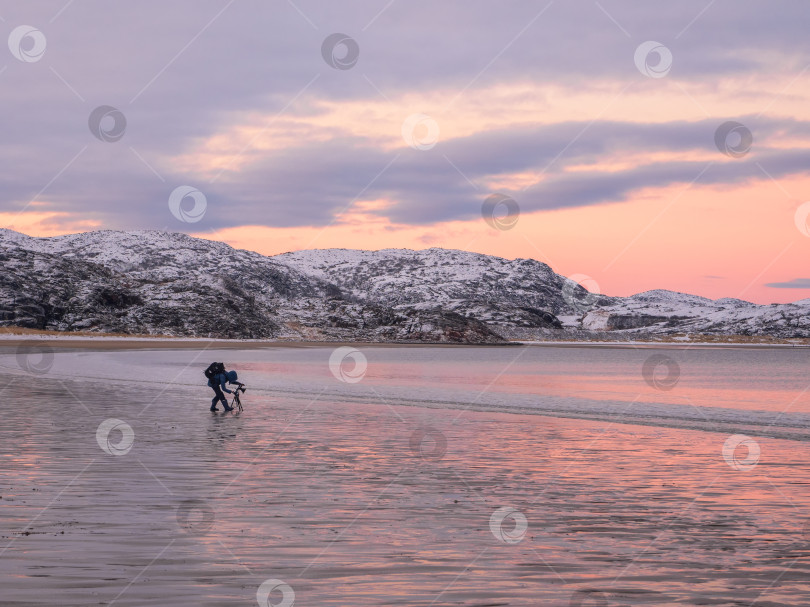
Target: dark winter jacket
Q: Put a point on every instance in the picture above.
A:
(220, 380)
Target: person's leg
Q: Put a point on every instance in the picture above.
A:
(218, 396)
(224, 400)
(225, 403)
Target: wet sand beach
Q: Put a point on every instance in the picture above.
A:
(131, 493)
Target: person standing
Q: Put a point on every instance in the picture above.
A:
(217, 380)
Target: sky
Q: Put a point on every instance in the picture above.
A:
(638, 145)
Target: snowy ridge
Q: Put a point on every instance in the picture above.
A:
(521, 292)
(662, 296)
(167, 283)
(164, 283)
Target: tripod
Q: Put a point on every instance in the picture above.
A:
(236, 403)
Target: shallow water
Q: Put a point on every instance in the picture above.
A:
(382, 492)
(765, 391)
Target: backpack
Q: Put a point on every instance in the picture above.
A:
(213, 370)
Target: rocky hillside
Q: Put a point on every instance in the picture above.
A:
(667, 312)
(525, 299)
(173, 284)
(500, 292)
(166, 283)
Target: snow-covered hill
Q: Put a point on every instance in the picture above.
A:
(669, 312)
(168, 283)
(503, 293)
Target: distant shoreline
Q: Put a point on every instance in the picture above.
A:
(106, 341)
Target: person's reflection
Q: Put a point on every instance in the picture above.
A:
(224, 428)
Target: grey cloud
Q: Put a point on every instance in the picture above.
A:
(796, 283)
(178, 85)
(308, 184)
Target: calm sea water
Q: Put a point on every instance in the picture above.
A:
(755, 390)
(376, 480)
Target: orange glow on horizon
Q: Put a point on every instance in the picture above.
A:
(668, 238)
(45, 224)
(712, 241)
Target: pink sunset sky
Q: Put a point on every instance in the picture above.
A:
(293, 144)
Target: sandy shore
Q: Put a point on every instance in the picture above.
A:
(117, 342)
(375, 504)
(140, 343)
(12, 341)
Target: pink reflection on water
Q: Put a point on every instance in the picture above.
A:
(727, 389)
(332, 498)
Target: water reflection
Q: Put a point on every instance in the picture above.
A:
(333, 498)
